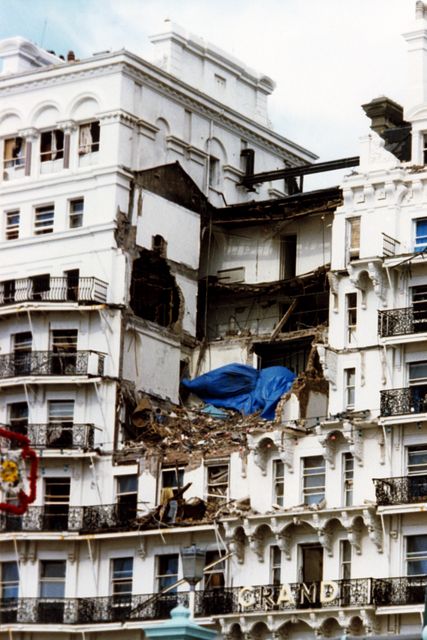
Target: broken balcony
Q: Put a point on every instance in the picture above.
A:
(403, 490)
(45, 288)
(51, 363)
(297, 304)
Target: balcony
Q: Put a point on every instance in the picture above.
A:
(51, 363)
(89, 519)
(89, 610)
(404, 490)
(400, 322)
(47, 289)
(56, 435)
(408, 590)
(408, 400)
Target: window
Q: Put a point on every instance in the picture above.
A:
(345, 559)
(416, 555)
(351, 304)
(43, 220)
(417, 460)
(57, 501)
(121, 576)
(127, 497)
(213, 171)
(288, 256)
(420, 234)
(89, 138)
(64, 349)
(419, 306)
(76, 213)
(217, 486)
(18, 417)
(12, 224)
(51, 145)
(171, 479)
(59, 434)
(214, 577)
(52, 578)
(424, 149)
(22, 345)
(167, 571)
(9, 580)
(14, 152)
(278, 482)
(348, 472)
(41, 286)
(313, 479)
(354, 238)
(418, 372)
(350, 385)
(275, 565)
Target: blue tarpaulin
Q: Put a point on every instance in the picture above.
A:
(243, 388)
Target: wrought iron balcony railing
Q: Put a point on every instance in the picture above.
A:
(117, 608)
(404, 490)
(395, 402)
(399, 322)
(217, 602)
(47, 289)
(390, 592)
(89, 519)
(51, 363)
(55, 435)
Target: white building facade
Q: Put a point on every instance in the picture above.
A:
(122, 272)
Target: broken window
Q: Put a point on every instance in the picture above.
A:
(154, 293)
(89, 138)
(14, 152)
(217, 484)
(127, 497)
(52, 145)
(214, 573)
(12, 224)
(291, 354)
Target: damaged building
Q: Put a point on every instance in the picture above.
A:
(204, 352)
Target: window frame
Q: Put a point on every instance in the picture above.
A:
(275, 565)
(418, 236)
(345, 563)
(51, 580)
(320, 471)
(83, 147)
(278, 480)
(351, 315)
(420, 556)
(221, 499)
(349, 387)
(348, 478)
(52, 149)
(74, 215)
(8, 584)
(43, 227)
(120, 580)
(159, 577)
(11, 231)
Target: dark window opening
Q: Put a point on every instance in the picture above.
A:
(154, 293)
(72, 284)
(41, 285)
(312, 310)
(51, 145)
(293, 354)
(18, 418)
(57, 501)
(22, 347)
(64, 348)
(89, 138)
(288, 256)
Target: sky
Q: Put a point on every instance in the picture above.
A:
(327, 57)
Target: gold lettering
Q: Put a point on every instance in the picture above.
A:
(267, 598)
(285, 595)
(246, 597)
(328, 591)
(308, 593)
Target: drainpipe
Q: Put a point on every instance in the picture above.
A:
(208, 151)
